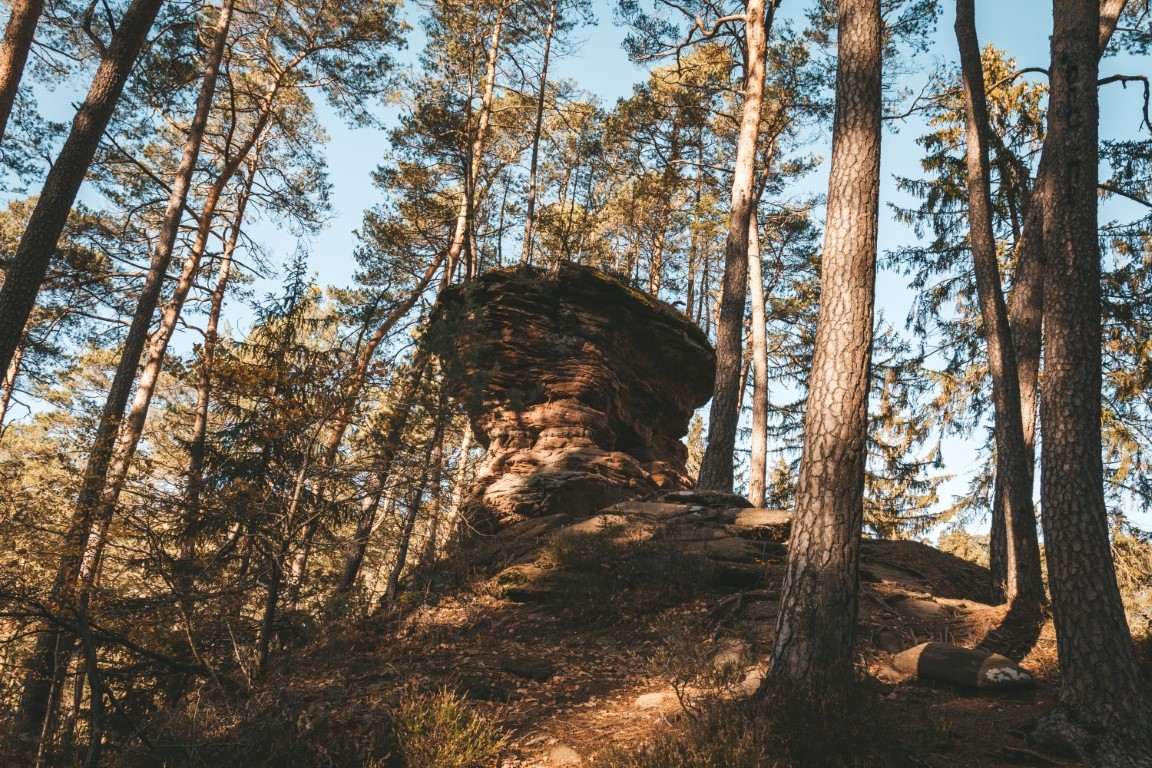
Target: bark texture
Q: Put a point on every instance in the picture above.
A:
(14, 50)
(1013, 458)
(18, 296)
(758, 463)
(717, 465)
(1026, 307)
(1101, 685)
(817, 622)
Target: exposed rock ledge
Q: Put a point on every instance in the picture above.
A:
(579, 387)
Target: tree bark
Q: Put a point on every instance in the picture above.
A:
(14, 50)
(10, 377)
(467, 206)
(392, 587)
(1100, 679)
(197, 442)
(344, 415)
(530, 209)
(716, 468)
(1025, 308)
(393, 433)
(1024, 585)
(758, 464)
(30, 262)
(817, 621)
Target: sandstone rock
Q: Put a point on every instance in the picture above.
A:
(563, 755)
(706, 498)
(971, 668)
(579, 387)
(654, 510)
(755, 523)
(753, 680)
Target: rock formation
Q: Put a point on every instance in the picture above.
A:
(579, 387)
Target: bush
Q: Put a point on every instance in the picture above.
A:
(440, 731)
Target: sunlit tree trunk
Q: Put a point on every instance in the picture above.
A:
(1100, 679)
(14, 50)
(1025, 310)
(1023, 586)
(758, 463)
(10, 377)
(467, 206)
(390, 446)
(197, 442)
(415, 507)
(716, 468)
(29, 264)
(344, 415)
(817, 621)
(537, 130)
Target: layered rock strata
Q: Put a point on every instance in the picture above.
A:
(579, 387)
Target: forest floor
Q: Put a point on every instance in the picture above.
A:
(585, 637)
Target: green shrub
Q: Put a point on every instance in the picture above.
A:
(440, 731)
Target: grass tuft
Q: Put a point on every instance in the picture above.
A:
(439, 730)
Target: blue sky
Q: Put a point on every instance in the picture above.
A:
(599, 65)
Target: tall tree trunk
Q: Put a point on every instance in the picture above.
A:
(344, 415)
(1100, 679)
(14, 53)
(276, 572)
(197, 442)
(107, 479)
(1025, 308)
(667, 183)
(394, 428)
(1024, 585)
(10, 377)
(537, 130)
(467, 206)
(817, 622)
(392, 587)
(758, 464)
(30, 262)
(716, 467)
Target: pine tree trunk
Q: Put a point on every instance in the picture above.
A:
(1025, 308)
(467, 206)
(817, 621)
(14, 50)
(716, 468)
(29, 264)
(390, 447)
(10, 377)
(392, 588)
(197, 442)
(343, 419)
(758, 464)
(1024, 585)
(1100, 679)
(538, 128)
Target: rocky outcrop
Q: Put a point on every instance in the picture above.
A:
(579, 387)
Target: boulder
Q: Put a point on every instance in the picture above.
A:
(771, 524)
(579, 386)
(949, 663)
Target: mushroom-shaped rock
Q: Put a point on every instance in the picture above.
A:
(973, 669)
(579, 387)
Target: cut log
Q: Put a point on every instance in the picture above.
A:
(949, 663)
